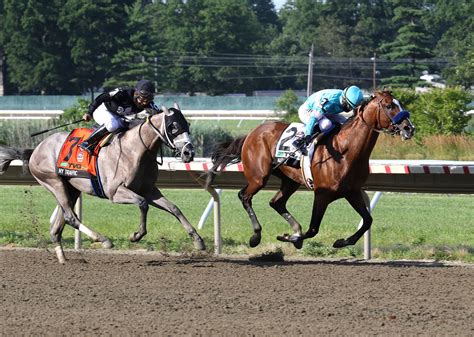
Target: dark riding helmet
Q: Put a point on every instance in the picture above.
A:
(144, 93)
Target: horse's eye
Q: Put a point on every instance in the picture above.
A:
(173, 128)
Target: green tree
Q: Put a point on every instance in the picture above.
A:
(136, 56)
(38, 62)
(75, 112)
(372, 28)
(410, 45)
(2, 18)
(290, 103)
(442, 111)
(300, 20)
(201, 38)
(93, 29)
(453, 22)
(265, 12)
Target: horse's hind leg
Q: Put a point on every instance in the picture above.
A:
(245, 195)
(66, 197)
(156, 199)
(278, 203)
(358, 202)
(57, 225)
(56, 230)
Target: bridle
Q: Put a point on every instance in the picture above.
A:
(395, 121)
(164, 136)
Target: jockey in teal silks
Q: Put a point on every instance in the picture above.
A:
(323, 107)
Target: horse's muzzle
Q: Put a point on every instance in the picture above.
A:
(407, 130)
(187, 153)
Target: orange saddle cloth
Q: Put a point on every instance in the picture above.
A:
(74, 161)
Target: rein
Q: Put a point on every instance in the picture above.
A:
(361, 117)
(163, 135)
(160, 135)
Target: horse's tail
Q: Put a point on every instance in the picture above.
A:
(224, 154)
(8, 154)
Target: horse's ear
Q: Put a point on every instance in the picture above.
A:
(176, 106)
(165, 110)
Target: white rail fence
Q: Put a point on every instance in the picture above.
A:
(422, 176)
(190, 114)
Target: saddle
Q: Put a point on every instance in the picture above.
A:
(287, 154)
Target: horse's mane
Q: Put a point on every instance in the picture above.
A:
(139, 121)
(136, 122)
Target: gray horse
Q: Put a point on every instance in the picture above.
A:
(128, 172)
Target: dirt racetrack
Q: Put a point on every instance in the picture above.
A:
(99, 293)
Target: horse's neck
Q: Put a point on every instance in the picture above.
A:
(135, 143)
(360, 139)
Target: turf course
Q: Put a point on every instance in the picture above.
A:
(408, 226)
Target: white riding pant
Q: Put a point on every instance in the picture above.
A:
(104, 117)
(325, 122)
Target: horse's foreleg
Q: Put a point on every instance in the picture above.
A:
(66, 197)
(357, 201)
(156, 199)
(278, 203)
(124, 195)
(320, 204)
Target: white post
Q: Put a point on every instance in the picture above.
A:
(77, 233)
(367, 245)
(208, 209)
(217, 212)
(217, 224)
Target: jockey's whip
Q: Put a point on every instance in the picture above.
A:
(56, 127)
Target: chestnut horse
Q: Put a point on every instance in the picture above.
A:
(340, 166)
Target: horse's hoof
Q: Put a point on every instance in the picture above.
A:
(298, 245)
(340, 243)
(137, 236)
(107, 244)
(255, 240)
(199, 244)
(283, 238)
(197, 241)
(60, 255)
(295, 239)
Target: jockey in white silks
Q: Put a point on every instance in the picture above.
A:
(323, 107)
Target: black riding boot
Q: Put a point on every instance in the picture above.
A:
(90, 143)
(301, 142)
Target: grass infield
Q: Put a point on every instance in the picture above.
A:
(406, 226)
